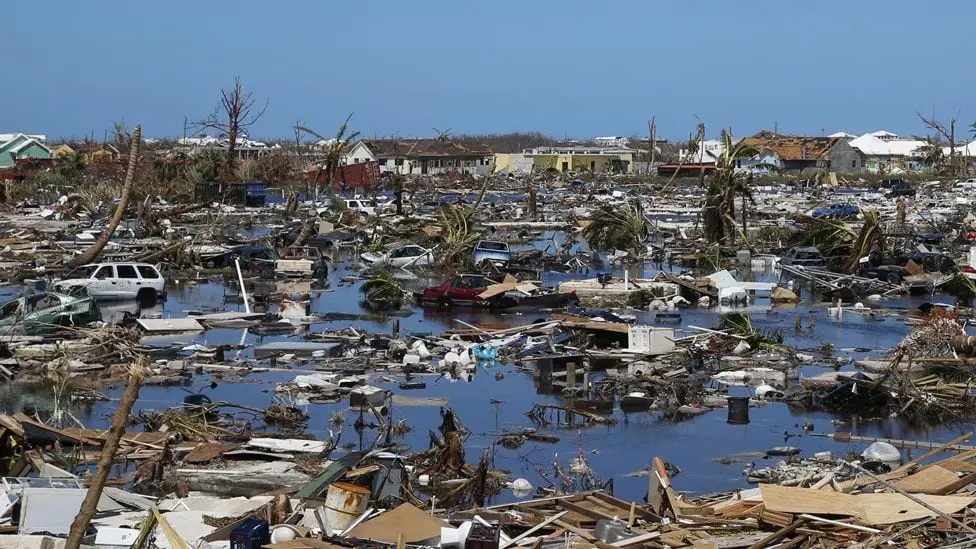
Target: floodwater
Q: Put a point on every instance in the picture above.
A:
(612, 451)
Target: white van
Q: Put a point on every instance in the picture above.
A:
(140, 281)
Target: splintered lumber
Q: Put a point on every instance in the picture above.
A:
(777, 535)
(534, 529)
(840, 524)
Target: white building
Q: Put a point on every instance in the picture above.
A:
(611, 141)
(706, 152)
(886, 152)
(422, 156)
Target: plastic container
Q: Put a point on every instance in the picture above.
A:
(881, 451)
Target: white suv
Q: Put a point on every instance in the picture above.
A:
(361, 205)
(140, 281)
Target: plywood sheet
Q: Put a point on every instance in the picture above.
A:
(882, 509)
(868, 509)
(413, 523)
(930, 480)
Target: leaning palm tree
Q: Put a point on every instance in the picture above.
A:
(457, 235)
(841, 244)
(931, 153)
(382, 291)
(96, 248)
(620, 228)
(727, 183)
(335, 148)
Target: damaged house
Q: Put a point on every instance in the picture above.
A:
(790, 153)
(422, 156)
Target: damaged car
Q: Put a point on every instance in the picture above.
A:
(45, 311)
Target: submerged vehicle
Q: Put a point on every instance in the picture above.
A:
(303, 262)
(409, 255)
(140, 281)
(803, 256)
(459, 290)
(479, 291)
(492, 251)
(44, 311)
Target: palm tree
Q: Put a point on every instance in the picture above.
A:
(69, 165)
(931, 153)
(212, 164)
(96, 248)
(727, 183)
(382, 291)
(335, 149)
(456, 234)
(617, 228)
(841, 244)
(120, 135)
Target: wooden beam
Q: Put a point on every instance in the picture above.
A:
(777, 535)
(586, 512)
(935, 451)
(533, 530)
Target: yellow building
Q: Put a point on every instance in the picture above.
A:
(62, 150)
(567, 159)
(90, 152)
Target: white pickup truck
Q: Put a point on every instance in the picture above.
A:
(104, 281)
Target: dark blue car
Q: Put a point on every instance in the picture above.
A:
(836, 211)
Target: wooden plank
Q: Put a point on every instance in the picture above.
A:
(929, 480)
(958, 465)
(585, 534)
(636, 539)
(870, 509)
(777, 535)
(935, 451)
(962, 482)
(584, 511)
(737, 541)
(616, 503)
(533, 530)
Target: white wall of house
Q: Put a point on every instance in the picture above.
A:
(358, 154)
(414, 166)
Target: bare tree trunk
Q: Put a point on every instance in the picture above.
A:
(306, 232)
(93, 251)
(652, 141)
(107, 457)
(481, 195)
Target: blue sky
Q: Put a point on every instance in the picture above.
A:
(577, 68)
